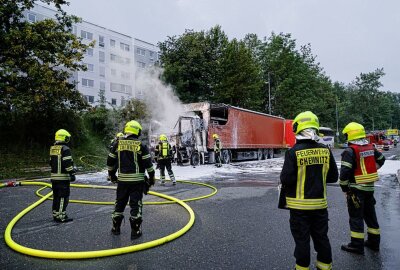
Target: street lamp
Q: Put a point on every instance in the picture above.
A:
(269, 94)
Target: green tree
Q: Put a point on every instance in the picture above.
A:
(191, 63)
(241, 80)
(36, 61)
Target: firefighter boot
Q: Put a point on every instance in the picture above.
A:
(62, 218)
(356, 247)
(371, 245)
(173, 179)
(374, 239)
(116, 228)
(135, 226)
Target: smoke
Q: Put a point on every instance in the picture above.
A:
(164, 106)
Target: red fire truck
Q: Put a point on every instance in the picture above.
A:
(244, 134)
(379, 139)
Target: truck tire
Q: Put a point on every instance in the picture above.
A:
(270, 153)
(195, 159)
(260, 154)
(226, 156)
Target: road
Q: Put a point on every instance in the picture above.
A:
(239, 228)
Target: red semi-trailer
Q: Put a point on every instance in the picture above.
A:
(244, 134)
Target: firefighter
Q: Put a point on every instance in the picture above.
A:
(131, 159)
(360, 162)
(217, 150)
(164, 155)
(62, 173)
(308, 166)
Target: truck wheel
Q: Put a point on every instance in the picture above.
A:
(226, 156)
(195, 159)
(259, 154)
(270, 153)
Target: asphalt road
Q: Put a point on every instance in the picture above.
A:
(239, 228)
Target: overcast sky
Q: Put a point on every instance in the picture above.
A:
(347, 36)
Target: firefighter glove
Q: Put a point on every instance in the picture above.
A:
(112, 178)
(147, 185)
(72, 178)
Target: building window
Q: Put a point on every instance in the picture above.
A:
(113, 101)
(141, 64)
(121, 88)
(125, 75)
(89, 99)
(102, 72)
(87, 82)
(123, 101)
(113, 72)
(86, 35)
(90, 67)
(89, 51)
(141, 51)
(101, 41)
(102, 57)
(124, 47)
(112, 43)
(31, 17)
(102, 86)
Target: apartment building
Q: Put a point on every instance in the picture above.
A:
(111, 63)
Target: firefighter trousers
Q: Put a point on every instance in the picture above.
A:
(314, 223)
(358, 213)
(166, 164)
(61, 191)
(133, 192)
(218, 160)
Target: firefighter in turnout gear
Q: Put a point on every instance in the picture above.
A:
(217, 150)
(358, 172)
(308, 166)
(131, 159)
(62, 173)
(164, 156)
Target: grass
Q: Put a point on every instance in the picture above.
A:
(19, 161)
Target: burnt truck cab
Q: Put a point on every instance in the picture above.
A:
(244, 134)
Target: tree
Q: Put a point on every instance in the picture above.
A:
(36, 61)
(241, 80)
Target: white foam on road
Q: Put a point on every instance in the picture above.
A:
(209, 171)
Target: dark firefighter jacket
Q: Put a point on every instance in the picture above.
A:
(350, 164)
(307, 168)
(130, 158)
(61, 163)
(163, 150)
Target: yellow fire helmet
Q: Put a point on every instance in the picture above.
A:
(354, 131)
(62, 136)
(163, 137)
(215, 136)
(305, 120)
(133, 127)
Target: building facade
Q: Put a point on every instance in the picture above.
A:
(111, 63)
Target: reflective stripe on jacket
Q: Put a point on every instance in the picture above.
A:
(61, 162)
(308, 166)
(365, 171)
(350, 166)
(130, 158)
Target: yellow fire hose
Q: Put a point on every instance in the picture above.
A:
(97, 253)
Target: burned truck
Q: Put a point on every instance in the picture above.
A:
(244, 134)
